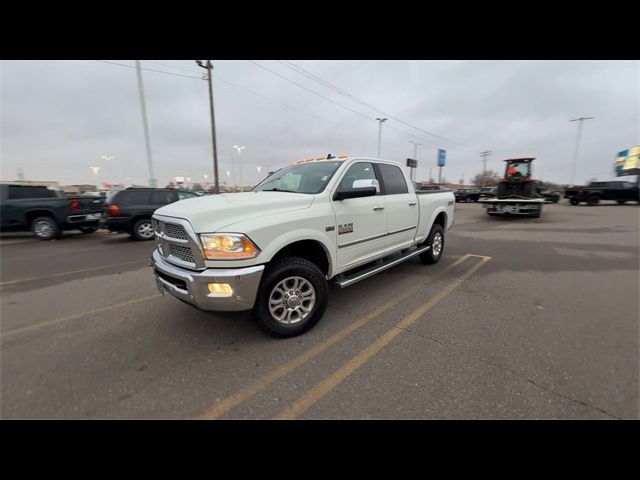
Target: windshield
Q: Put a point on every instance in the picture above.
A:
(303, 178)
(518, 169)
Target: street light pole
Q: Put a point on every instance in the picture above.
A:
(152, 178)
(239, 148)
(209, 67)
(415, 157)
(380, 120)
(575, 158)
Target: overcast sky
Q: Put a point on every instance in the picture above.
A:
(59, 117)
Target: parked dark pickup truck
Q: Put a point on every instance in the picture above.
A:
(594, 192)
(41, 210)
(548, 194)
(467, 195)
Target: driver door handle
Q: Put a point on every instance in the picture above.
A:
(413, 204)
(377, 209)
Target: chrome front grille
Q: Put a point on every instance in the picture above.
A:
(175, 231)
(177, 242)
(183, 253)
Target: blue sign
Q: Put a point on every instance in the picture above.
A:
(442, 154)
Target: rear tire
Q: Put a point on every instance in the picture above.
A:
(621, 202)
(286, 286)
(529, 190)
(436, 241)
(574, 201)
(143, 230)
(593, 200)
(45, 228)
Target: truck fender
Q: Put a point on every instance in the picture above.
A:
(290, 237)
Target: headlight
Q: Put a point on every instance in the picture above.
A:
(227, 246)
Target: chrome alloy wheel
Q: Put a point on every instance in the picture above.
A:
(436, 245)
(145, 230)
(292, 300)
(43, 229)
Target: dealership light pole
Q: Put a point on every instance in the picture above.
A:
(209, 67)
(380, 120)
(238, 149)
(145, 126)
(575, 157)
(415, 157)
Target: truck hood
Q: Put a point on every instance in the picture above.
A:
(212, 213)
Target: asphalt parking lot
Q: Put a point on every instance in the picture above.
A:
(522, 319)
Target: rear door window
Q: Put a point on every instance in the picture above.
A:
(141, 197)
(163, 197)
(185, 195)
(393, 179)
(22, 191)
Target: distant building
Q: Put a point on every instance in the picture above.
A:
(78, 189)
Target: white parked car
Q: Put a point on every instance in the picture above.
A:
(273, 250)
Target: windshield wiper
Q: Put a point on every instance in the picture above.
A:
(277, 190)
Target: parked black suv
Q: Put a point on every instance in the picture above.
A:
(130, 210)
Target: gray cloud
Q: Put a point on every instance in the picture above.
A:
(59, 117)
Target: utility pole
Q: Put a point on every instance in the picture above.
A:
(415, 157)
(145, 126)
(484, 156)
(209, 67)
(575, 158)
(380, 120)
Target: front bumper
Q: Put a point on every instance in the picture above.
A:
(192, 286)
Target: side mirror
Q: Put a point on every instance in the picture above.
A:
(367, 182)
(355, 193)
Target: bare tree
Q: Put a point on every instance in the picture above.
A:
(490, 179)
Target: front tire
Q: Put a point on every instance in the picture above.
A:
(45, 228)
(621, 202)
(593, 200)
(436, 241)
(292, 297)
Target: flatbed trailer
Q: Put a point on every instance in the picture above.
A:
(531, 207)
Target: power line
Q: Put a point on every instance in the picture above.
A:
(257, 93)
(340, 91)
(337, 103)
(151, 70)
(309, 90)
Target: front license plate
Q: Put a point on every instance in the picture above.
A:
(160, 285)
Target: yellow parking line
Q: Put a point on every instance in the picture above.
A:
(75, 316)
(231, 402)
(92, 269)
(328, 384)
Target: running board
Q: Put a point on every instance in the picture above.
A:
(342, 280)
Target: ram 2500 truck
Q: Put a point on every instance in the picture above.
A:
(273, 250)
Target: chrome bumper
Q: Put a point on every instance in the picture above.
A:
(192, 286)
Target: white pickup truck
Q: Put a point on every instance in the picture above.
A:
(273, 250)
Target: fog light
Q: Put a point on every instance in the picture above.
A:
(221, 289)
